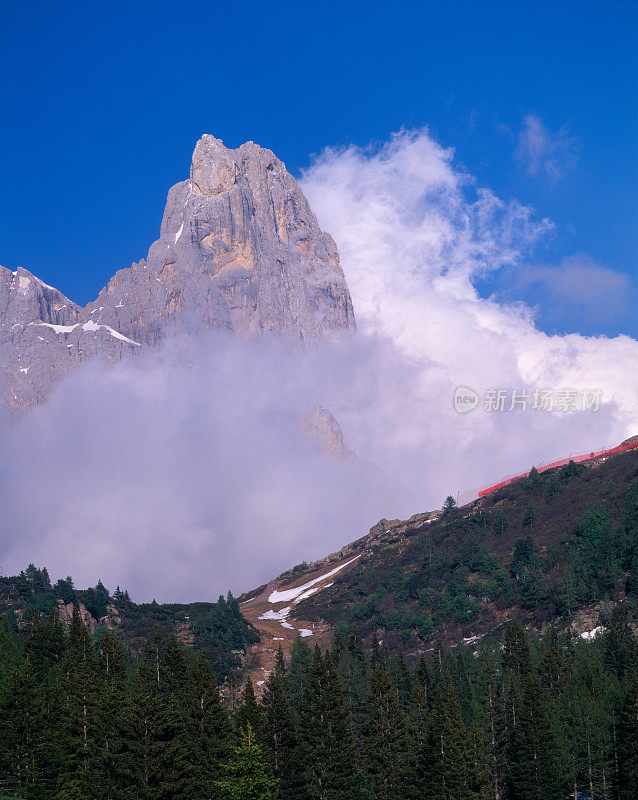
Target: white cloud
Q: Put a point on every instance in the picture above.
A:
(543, 152)
(413, 233)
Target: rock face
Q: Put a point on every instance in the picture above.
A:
(43, 337)
(239, 251)
(324, 433)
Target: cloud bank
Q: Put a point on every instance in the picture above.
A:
(180, 474)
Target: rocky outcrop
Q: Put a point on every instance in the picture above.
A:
(110, 620)
(321, 429)
(239, 251)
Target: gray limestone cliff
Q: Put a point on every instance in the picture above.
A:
(239, 251)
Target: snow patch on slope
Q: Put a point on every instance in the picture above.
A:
(295, 594)
(593, 632)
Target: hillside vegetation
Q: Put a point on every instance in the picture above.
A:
(539, 549)
(218, 630)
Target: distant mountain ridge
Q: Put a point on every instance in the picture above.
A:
(239, 251)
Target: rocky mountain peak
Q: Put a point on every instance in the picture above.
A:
(214, 167)
(239, 251)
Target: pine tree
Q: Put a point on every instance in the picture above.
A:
(351, 666)
(21, 730)
(448, 747)
(495, 729)
(10, 656)
(80, 682)
(621, 650)
(154, 727)
(552, 663)
(249, 711)
(299, 667)
(362, 788)
(112, 708)
(326, 736)
(206, 737)
(517, 658)
(534, 770)
(282, 734)
(449, 505)
(422, 675)
(389, 760)
(401, 678)
(46, 644)
(628, 737)
(247, 776)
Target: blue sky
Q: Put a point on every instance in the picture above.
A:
(103, 101)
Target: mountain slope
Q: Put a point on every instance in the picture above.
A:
(561, 547)
(540, 548)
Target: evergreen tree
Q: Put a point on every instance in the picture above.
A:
(552, 663)
(206, 735)
(449, 505)
(517, 657)
(21, 733)
(350, 663)
(448, 747)
(621, 651)
(247, 776)
(283, 738)
(249, 711)
(495, 729)
(534, 768)
(10, 656)
(362, 788)
(326, 736)
(158, 764)
(298, 671)
(628, 738)
(112, 709)
(401, 678)
(80, 686)
(388, 758)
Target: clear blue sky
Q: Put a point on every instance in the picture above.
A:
(102, 102)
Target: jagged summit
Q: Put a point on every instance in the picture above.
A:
(239, 250)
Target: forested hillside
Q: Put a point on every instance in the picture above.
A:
(216, 629)
(541, 549)
(517, 719)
